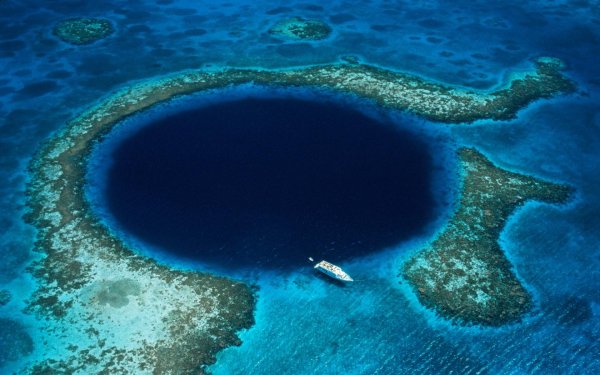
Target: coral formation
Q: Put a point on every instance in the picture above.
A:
(116, 311)
(464, 274)
(350, 59)
(80, 31)
(5, 297)
(15, 342)
(111, 309)
(431, 100)
(298, 28)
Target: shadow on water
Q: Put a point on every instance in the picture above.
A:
(267, 182)
(329, 280)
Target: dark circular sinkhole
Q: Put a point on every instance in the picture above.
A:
(269, 182)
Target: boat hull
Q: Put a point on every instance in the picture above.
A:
(333, 271)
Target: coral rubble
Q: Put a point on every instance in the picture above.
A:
(464, 274)
(80, 31)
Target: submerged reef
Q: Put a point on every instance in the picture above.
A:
(108, 309)
(298, 28)
(350, 59)
(15, 342)
(464, 274)
(80, 31)
(5, 297)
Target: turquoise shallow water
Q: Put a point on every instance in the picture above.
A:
(304, 324)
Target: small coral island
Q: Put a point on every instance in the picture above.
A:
(298, 28)
(81, 31)
(464, 274)
(108, 309)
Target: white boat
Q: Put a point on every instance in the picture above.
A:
(333, 271)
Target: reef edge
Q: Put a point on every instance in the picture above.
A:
(464, 274)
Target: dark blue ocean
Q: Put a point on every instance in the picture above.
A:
(305, 324)
(265, 183)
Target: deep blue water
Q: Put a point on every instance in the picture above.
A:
(304, 325)
(269, 182)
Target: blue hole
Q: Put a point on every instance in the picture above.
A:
(269, 182)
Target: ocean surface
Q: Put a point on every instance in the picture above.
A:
(306, 324)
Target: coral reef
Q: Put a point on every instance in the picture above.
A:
(15, 342)
(350, 59)
(298, 28)
(111, 309)
(116, 311)
(5, 297)
(464, 275)
(80, 31)
(15, 255)
(431, 100)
